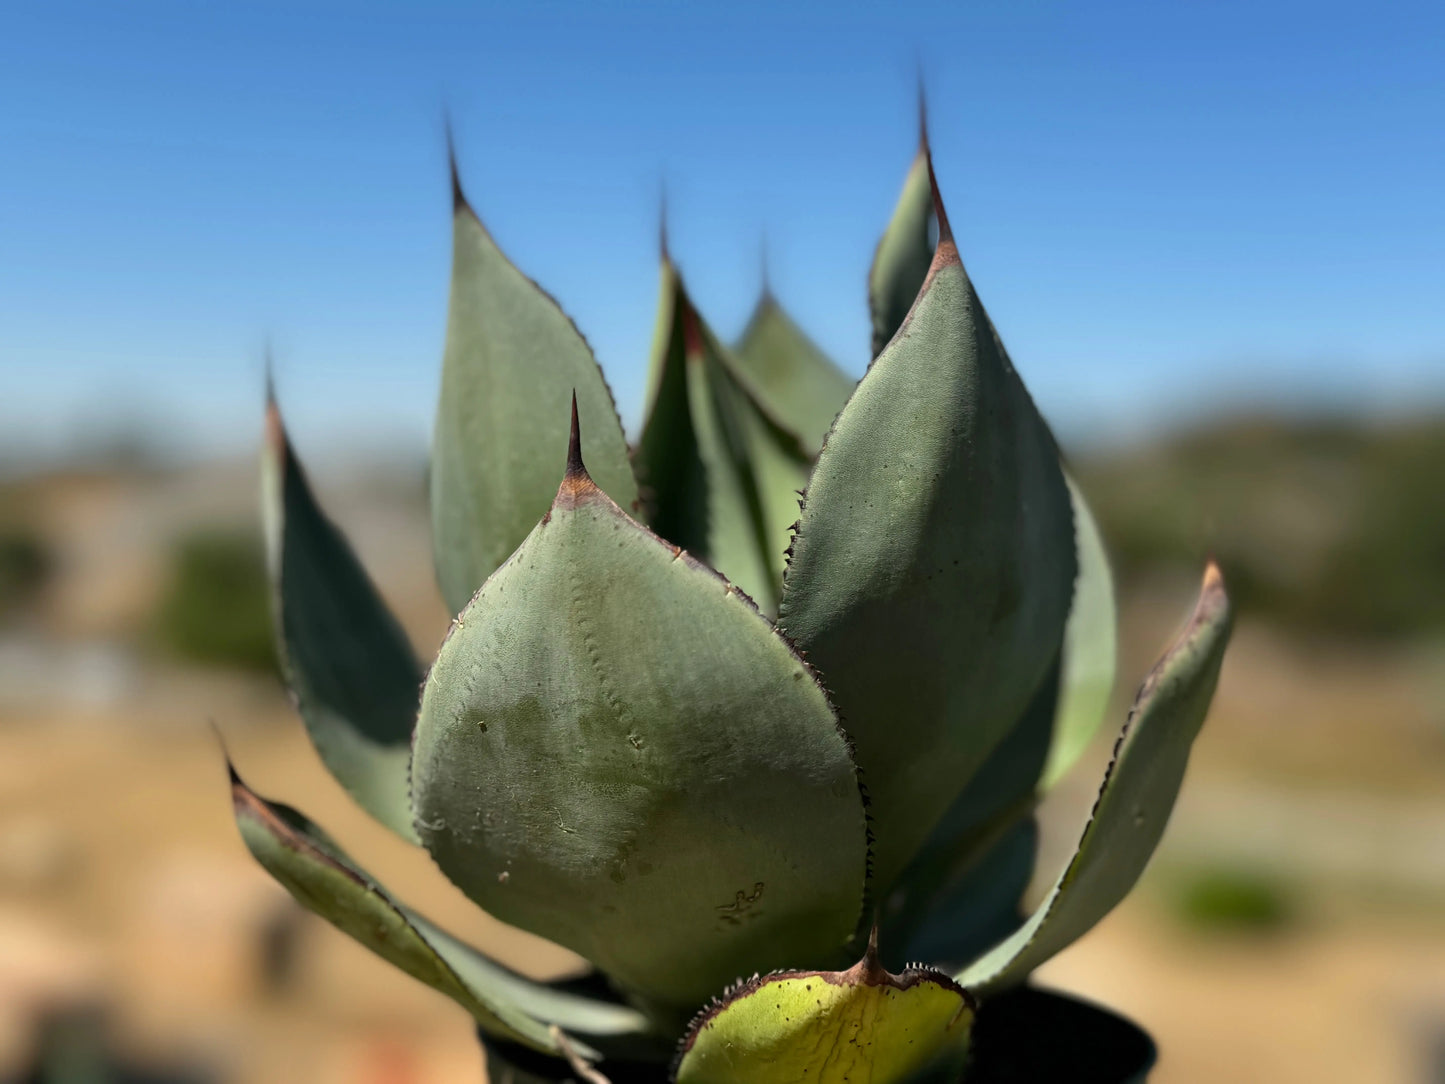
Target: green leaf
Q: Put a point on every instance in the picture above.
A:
(933, 567)
(513, 360)
(507, 1005)
(962, 892)
(905, 251)
(721, 472)
(1134, 804)
(618, 752)
(1090, 648)
(348, 663)
(829, 1027)
(800, 384)
(982, 902)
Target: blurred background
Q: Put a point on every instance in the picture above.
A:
(1211, 235)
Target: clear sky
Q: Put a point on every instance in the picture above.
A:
(1164, 205)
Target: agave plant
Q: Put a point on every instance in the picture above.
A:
(746, 760)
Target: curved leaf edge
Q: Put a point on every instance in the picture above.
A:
(868, 971)
(577, 485)
(593, 1025)
(280, 461)
(1212, 612)
(462, 205)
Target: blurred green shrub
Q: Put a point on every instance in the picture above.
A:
(1322, 525)
(25, 565)
(216, 609)
(1231, 899)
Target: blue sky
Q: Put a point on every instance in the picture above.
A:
(1166, 207)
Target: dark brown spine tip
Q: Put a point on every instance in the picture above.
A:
(575, 466)
(691, 327)
(459, 198)
(922, 114)
(870, 968)
(663, 250)
(231, 772)
(576, 481)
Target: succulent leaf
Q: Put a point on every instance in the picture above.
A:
(618, 752)
(933, 566)
(512, 360)
(801, 385)
(1134, 803)
(1090, 648)
(905, 251)
(962, 891)
(348, 663)
(722, 472)
(829, 1027)
(310, 866)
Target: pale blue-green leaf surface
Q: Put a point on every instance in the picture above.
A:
(800, 384)
(618, 752)
(512, 362)
(720, 471)
(1134, 803)
(1090, 648)
(904, 253)
(348, 663)
(934, 564)
(963, 890)
(505, 1004)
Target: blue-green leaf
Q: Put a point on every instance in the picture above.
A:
(934, 564)
(348, 663)
(720, 471)
(1135, 802)
(513, 361)
(963, 890)
(507, 1005)
(618, 752)
(1090, 649)
(905, 251)
(801, 386)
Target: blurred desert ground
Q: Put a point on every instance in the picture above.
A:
(1292, 927)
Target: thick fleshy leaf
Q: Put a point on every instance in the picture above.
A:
(348, 663)
(618, 752)
(1135, 802)
(982, 902)
(933, 567)
(799, 383)
(721, 472)
(962, 892)
(513, 359)
(830, 1027)
(905, 251)
(507, 1005)
(1029, 1036)
(1090, 648)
